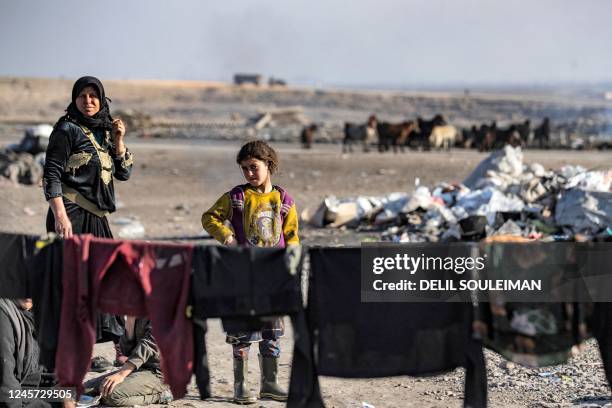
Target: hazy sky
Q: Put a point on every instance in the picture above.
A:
(331, 42)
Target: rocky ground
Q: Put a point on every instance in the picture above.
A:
(219, 110)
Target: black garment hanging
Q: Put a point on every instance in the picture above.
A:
(243, 286)
(540, 332)
(247, 287)
(15, 250)
(364, 340)
(45, 287)
(245, 281)
(602, 328)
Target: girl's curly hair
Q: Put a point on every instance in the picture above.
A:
(258, 149)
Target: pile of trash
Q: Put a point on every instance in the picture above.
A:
(23, 162)
(502, 196)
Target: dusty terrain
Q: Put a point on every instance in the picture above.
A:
(214, 110)
(175, 180)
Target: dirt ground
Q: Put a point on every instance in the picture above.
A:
(174, 181)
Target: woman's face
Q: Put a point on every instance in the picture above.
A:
(88, 101)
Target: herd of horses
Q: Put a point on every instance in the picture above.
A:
(435, 134)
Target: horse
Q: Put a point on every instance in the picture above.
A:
(509, 136)
(395, 135)
(541, 134)
(468, 137)
(524, 130)
(359, 134)
(421, 137)
(443, 136)
(484, 138)
(307, 135)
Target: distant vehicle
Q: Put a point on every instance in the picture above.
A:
(601, 142)
(254, 79)
(276, 82)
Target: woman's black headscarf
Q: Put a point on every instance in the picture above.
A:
(102, 119)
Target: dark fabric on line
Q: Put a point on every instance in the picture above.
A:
(253, 283)
(45, 287)
(15, 250)
(364, 340)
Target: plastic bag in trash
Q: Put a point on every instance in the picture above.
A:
(508, 160)
(489, 201)
(420, 199)
(591, 181)
(585, 212)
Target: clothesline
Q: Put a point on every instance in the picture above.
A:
(335, 335)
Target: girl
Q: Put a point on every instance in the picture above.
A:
(261, 214)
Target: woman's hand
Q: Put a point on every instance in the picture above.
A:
(118, 134)
(63, 226)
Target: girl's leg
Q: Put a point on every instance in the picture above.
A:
(241, 350)
(270, 348)
(268, 361)
(242, 394)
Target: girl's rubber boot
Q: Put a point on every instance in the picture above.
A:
(269, 384)
(242, 395)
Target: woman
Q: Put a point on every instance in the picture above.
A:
(86, 150)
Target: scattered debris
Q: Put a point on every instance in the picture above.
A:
(23, 162)
(279, 117)
(131, 228)
(502, 196)
(28, 211)
(21, 168)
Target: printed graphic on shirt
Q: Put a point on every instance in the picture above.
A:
(106, 162)
(265, 226)
(77, 160)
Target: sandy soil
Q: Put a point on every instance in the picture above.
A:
(35, 99)
(174, 181)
